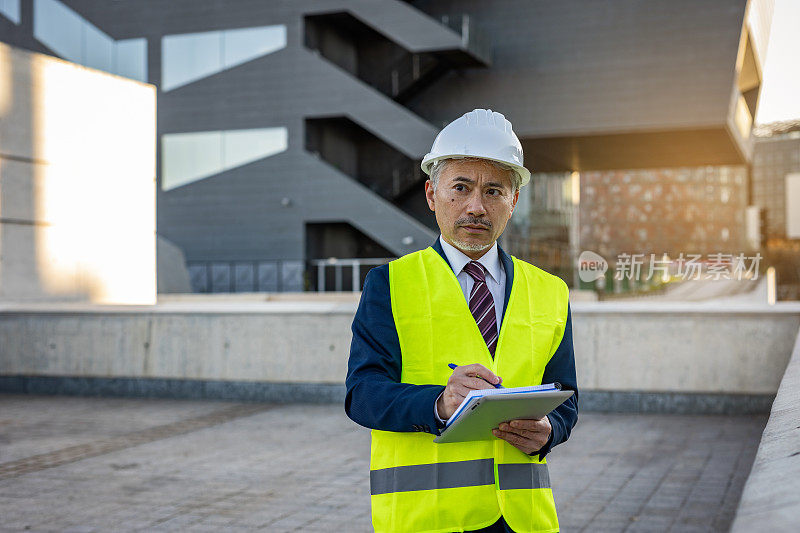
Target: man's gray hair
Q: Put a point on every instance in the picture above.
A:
(438, 166)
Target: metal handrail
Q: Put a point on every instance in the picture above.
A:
(472, 38)
(337, 264)
(401, 74)
(408, 69)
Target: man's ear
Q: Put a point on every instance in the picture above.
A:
(429, 195)
(514, 200)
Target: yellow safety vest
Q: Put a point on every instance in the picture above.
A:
(418, 485)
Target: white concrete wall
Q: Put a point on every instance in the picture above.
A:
(281, 342)
(77, 183)
(629, 347)
(683, 347)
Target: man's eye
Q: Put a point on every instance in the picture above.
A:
(459, 187)
(494, 192)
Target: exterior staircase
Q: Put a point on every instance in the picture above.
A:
(386, 52)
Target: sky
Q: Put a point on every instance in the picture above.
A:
(780, 91)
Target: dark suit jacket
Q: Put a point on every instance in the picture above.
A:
(377, 399)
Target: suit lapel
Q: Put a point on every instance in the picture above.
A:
(438, 247)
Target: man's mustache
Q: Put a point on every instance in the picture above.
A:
(473, 221)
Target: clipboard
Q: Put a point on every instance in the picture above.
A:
(486, 413)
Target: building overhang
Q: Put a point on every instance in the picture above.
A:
(727, 140)
(715, 145)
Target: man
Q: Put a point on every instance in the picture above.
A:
(462, 301)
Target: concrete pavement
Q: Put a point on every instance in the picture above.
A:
(102, 464)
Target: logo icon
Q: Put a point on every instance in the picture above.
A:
(591, 266)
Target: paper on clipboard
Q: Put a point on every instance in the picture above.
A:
(483, 410)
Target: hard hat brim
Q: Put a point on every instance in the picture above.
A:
(428, 162)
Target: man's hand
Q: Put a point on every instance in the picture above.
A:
(527, 436)
(462, 380)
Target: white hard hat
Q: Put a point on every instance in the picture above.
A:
(480, 133)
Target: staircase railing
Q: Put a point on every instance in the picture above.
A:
(404, 73)
(473, 39)
(340, 267)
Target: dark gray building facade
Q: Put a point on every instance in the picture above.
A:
(291, 131)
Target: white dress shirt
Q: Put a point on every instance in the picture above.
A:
(495, 276)
(495, 282)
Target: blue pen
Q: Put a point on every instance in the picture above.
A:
(453, 366)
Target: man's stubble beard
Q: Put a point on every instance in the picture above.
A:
(471, 246)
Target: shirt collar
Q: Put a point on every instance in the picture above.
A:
(458, 259)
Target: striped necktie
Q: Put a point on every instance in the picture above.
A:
(481, 305)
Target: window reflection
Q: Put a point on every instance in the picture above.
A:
(130, 58)
(98, 48)
(59, 28)
(189, 157)
(10, 9)
(189, 57)
(75, 39)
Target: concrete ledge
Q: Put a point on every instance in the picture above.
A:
(674, 402)
(672, 360)
(175, 388)
(257, 391)
(710, 307)
(347, 303)
(771, 497)
(232, 306)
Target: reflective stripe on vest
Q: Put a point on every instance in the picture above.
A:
(432, 476)
(417, 485)
(458, 474)
(523, 476)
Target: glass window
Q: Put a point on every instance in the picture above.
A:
(98, 49)
(292, 275)
(10, 8)
(189, 57)
(268, 276)
(198, 276)
(245, 146)
(75, 39)
(130, 58)
(58, 28)
(189, 157)
(242, 45)
(220, 277)
(244, 277)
